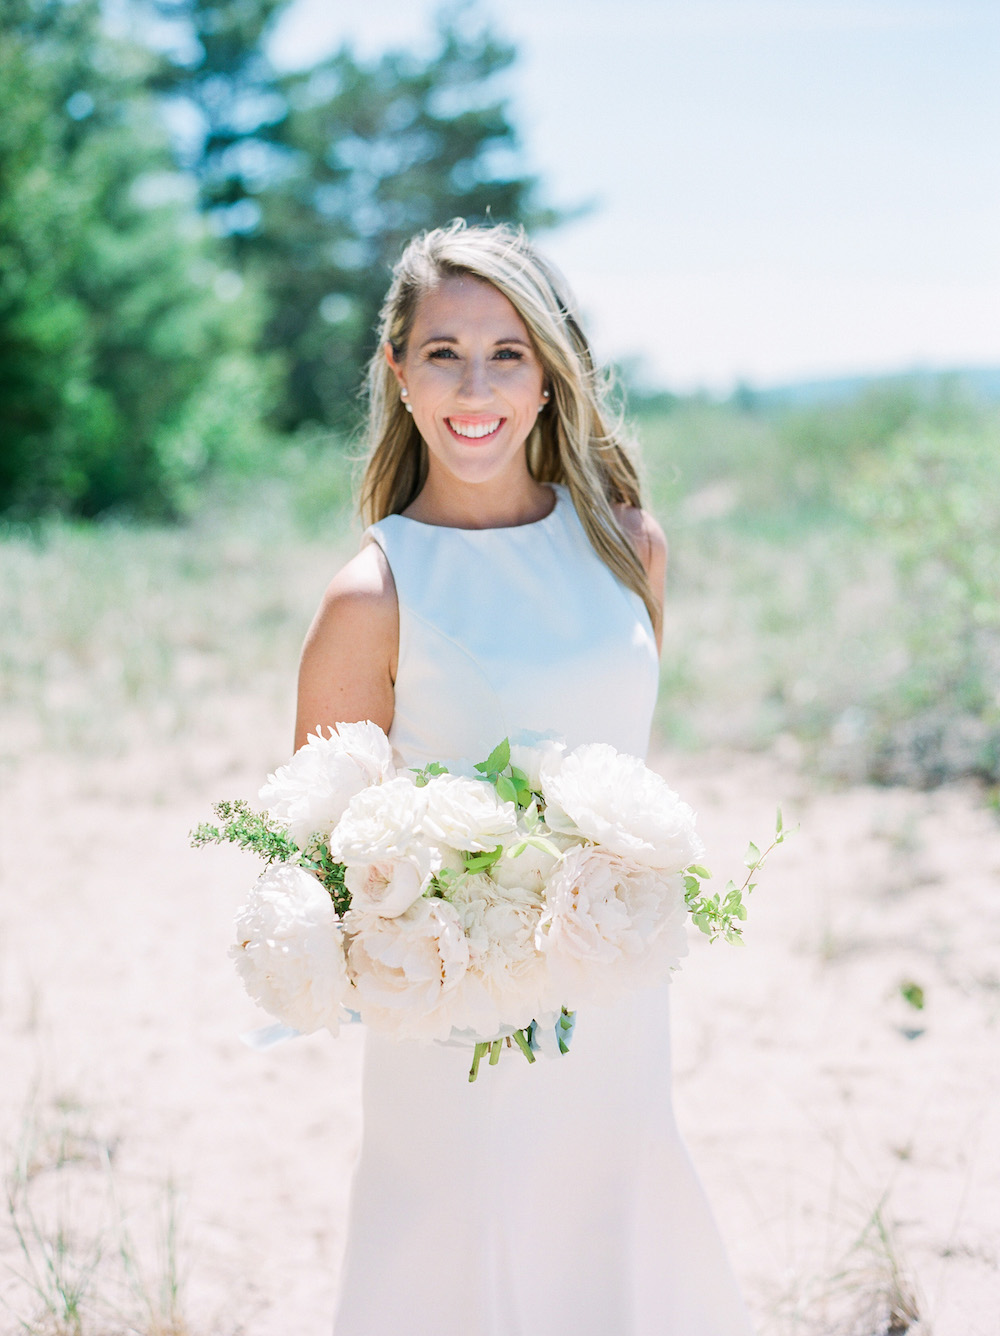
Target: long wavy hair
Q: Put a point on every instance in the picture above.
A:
(574, 440)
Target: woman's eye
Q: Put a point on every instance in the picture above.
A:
(442, 353)
(509, 354)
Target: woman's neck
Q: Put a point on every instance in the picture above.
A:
(500, 503)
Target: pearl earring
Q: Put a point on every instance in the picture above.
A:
(402, 394)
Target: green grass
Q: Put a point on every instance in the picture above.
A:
(834, 588)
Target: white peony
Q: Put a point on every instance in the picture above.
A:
(466, 814)
(311, 792)
(507, 982)
(385, 823)
(407, 968)
(289, 950)
(619, 803)
(531, 751)
(611, 924)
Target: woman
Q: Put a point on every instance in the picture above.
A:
(510, 581)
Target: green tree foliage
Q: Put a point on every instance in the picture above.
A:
(319, 177)
(122, 373)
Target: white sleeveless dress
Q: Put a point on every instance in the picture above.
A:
(554, 1199)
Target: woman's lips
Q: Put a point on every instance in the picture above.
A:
(476, 430)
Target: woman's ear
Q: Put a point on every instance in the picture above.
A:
(390, 357)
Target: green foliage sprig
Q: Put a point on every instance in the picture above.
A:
(241, 825)
(511, 784)
(720, 915)
(259, 833)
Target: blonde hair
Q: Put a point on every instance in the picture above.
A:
(572, 442)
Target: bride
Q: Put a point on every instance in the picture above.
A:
(509, 581)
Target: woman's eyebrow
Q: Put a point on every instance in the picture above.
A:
(450, 338)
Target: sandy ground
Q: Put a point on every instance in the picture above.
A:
(850, 1143)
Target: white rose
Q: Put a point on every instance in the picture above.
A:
(531, 868)
(289, 950)
(531, 751)
(311, 792)
(405, 969)
(507, 982)
(611, 924)
(466, 814)
(384, 823)
(387, 887)
(618, 802)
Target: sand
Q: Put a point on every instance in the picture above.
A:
(849, 1142)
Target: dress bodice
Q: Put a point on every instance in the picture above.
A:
(512, 629)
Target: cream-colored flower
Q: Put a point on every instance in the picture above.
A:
(507, 982)
(387, 887)
(406, 969)
(619, 803)
(289, 950)
(466, 814)
(611, 924)
(312, 791)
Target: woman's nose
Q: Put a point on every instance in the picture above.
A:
(475, 384)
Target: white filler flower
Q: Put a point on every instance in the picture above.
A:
(466, 814)
(289, 950)
(618, 802)
(311, 792)
(406, 968)
(611, 924)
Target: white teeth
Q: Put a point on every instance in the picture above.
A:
(474, 431)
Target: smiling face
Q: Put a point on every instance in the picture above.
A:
(473, 381)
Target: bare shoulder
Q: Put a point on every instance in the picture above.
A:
(365, 584)
(349, 656)
(648, 539)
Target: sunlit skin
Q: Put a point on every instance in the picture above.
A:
(469, 365)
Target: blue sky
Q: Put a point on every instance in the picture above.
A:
(784, 188)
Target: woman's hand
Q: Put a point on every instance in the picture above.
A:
(349, 657)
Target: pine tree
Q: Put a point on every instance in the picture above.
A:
(113, 343)
(318, 178)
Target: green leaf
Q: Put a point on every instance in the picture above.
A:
(779, 824)
(752, 855)
(478, 862)
(519, 778)
(506, 790)
(498, 759)
(696, 870)
(913, 993)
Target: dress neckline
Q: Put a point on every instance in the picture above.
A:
(554, 487)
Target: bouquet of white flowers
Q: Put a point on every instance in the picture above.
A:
(477, 905)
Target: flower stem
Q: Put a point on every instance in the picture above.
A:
(477, 1054)
(521, 1040)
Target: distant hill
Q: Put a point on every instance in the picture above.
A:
(982, 383)
(977, 382)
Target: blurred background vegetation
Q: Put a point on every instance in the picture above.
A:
(193, 248)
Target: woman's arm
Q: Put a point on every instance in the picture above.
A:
(650, 544)
(349, 657)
